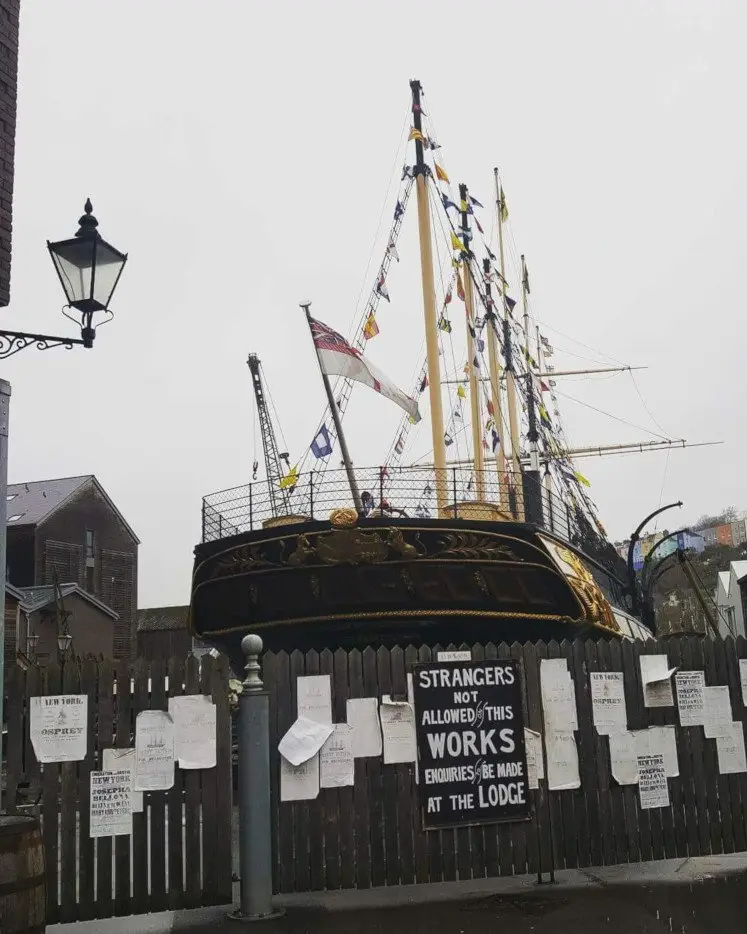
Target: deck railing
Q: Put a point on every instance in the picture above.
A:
(408, 492)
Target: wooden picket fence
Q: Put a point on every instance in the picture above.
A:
(370, 834)
(179, 852)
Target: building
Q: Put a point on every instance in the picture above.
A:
(90, 622)
(724, 534)
(9, 10)
(738, 532)
(731, 599)
(162, 633)
(71, 526)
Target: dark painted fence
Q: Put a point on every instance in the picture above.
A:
(179, 853)
(369, 834)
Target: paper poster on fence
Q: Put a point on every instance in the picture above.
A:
(398, 730)
(730, 748)
(299, 782)
(195, 720)
(608, 702)
(59, 727)
(154, 751)
(111, 804)
(558, 695)
(363, 718)
(659, 741)
(303, 740)
(336, 760)
(717, 715)
(656, 679)
(535, 759)
(562, 762)
(116, 760)
(652, 782)
(624, 758)
(743, 679)
(314, 698)
(690, 686)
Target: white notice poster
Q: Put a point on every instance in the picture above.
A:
(608, 701)
(363, 718)
(314, 698)
(194, 717)
(652, 782)
(111, 805)
(656, 678)
(562, 762)
(398, 730)
(59, 727)
(154, 751)
(558, 696)
(299, 782)
(717, 716)
(730, 748)
(743, 679)
(659, 741)
(303, 740)
(624, 758)
(336, 761)
(535, 759)
(690, 686)
(115, 760)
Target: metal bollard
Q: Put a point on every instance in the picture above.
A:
(255, 833)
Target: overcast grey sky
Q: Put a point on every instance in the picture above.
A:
(241, 151)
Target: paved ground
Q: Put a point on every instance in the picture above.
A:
(698, 896)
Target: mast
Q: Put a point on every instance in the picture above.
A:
(429, 305)
(474, 389)
(513, 411)
(337, 420)
(495, 383)
(532, 488)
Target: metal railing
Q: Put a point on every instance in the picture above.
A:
(411, 492)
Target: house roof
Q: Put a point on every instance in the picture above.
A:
(35, 598)
(162, 618)
(739, 570)
(13, 592)
(35, 501)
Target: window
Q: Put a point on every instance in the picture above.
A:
(89, 544)
(89, 579)
(11, 496)
(15, 518)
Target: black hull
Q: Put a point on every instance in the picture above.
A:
(352, 582)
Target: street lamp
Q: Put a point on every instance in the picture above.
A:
(88, 269)
(64, 641)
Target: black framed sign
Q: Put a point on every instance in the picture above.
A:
(470, 736)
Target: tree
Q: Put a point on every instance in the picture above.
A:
(707, 522)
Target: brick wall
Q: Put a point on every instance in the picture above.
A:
(9, 10)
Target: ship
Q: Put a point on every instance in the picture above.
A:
(502, 545)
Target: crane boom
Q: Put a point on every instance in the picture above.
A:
(279, 498)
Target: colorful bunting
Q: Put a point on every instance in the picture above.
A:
(407, 172)
(416, 134)
(491, 410)
(460, 287)
(503, 207)
(581, 478)
(479, 226)
(448, 439)
(496, 440)
(392, 250)
(432, 144)
(399, 445)
(290, 479)
(447, 202)
(457, 244)
(476, 203)
(444, 324)
(510, 303)
(447, 298)
(461, 392)
(543, 386)
(382, 290)
(321, 446)
(370, 328)
(398, 210)
(424, 383)
(440, 174)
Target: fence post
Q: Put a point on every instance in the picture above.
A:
(251, 509)
(255, 816)
(454, 493)
(381, 487)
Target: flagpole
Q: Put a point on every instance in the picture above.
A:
(429, 306)
(336, 419)
(495, 387)
(513, 419)
(474, 389)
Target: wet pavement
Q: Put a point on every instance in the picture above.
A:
(702, 896)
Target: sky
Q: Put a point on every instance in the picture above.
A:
(243, 155)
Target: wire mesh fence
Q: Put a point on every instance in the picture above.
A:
(406, 492)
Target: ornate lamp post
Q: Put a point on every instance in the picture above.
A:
(89, 269)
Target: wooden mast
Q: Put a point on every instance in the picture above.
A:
(429, 305)
(513, 413)
(478, 454)
(495, 386)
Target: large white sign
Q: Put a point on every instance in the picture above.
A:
(59, 727)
